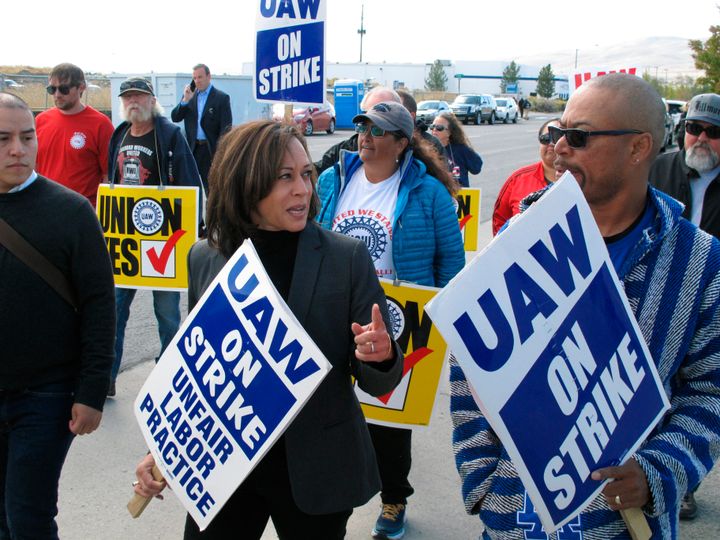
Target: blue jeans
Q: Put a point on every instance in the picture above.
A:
(167, 313)
(34, 440)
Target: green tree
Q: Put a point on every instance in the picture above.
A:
(707, 58)
(511, 74)
(546, 82)
(436, 79)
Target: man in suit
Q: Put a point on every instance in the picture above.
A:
(207, 115)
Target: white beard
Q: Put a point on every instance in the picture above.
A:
(701, 157)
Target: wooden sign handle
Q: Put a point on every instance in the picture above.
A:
(636, 523)
(138, 503)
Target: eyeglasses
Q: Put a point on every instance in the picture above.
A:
(64, 89)
(374, 130)
(545, 139)
(578, 138)
(712, 132)
(437, 127)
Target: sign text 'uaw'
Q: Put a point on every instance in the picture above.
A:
(290, 51)
(232, 380)
(544, 333)
(149, 232)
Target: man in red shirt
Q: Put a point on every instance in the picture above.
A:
(73, 138)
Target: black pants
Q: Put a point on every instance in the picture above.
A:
(264, 494)
(203, 159)
(394, 458)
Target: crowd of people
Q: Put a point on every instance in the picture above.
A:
(657, 214)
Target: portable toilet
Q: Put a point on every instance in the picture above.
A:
(348, 95)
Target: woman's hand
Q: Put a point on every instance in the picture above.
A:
(372, 341)
(146, 485)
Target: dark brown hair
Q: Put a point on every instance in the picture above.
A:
(69, 73)
(435, 163)
(243, 172)
(457, 135)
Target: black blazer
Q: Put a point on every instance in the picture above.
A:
(330, 457)
(216, 118)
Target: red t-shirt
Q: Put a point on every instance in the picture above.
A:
(73, 148)
(519, 185)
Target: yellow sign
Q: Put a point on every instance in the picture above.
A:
(411, 403)
(149, 232)
(468, 211)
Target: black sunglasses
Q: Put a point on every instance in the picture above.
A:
(578, 138)
(64, 89)
(545, 139)
(712, 132)
(437, 127)
(374, 130)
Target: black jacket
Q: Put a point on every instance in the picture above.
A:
(216, 118)
(176, 164)
(670, 174)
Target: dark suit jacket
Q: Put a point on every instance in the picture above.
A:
(216, 118)
(331, 460)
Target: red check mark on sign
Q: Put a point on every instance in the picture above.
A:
(464, 221)
(159, 262)
(411, 360)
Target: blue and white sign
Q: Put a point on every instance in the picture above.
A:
(547, 340)
(290, 51)
(236, 374)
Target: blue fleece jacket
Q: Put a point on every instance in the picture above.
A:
(427, 244)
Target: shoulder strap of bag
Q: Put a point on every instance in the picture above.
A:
(37, 262)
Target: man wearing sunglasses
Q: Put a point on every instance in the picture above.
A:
(612, 130)
(692, 176)
(73, 138)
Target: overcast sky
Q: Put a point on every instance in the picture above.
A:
(164, 36)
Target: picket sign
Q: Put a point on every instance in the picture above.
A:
(548, 342)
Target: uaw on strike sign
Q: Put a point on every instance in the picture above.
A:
(235, 375)
(149, 232)
(411, 402)
(547, 340)
(290, 51)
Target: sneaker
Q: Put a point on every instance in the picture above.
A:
(111, 389)
(390, 523)
(688, 507)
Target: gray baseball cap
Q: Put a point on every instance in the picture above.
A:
(706, 108)
(389, 116)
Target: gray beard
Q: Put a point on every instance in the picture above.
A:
(701, 157)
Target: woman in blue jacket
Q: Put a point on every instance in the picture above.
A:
(397, 197)
(461, 158)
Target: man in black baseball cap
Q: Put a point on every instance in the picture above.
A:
(147, 150)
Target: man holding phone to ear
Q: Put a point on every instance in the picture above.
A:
(207, 115)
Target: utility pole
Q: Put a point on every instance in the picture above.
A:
(362, 28)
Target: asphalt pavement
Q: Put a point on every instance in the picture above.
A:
(96, 481)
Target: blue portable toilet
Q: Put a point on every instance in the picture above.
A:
(348, 95)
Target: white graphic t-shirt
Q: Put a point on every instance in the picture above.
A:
(365, 211)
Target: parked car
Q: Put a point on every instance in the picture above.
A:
(478, 108)
(9, 83)
(427, 111)
(507, 110)
(309, 119)
(675, 107)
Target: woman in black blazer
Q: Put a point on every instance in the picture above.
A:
(262, 188)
